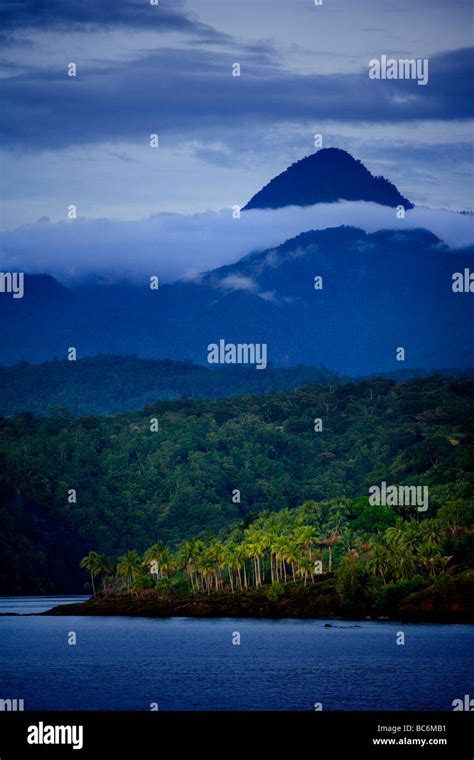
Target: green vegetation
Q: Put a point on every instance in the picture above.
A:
(135, 487)
(373, 574)
(112, 384)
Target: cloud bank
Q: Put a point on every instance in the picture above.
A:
(175, 246)
(168, 88)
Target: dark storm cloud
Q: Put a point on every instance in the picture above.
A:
(192, 90)
(77, 15)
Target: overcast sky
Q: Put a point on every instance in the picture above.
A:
(143, 69)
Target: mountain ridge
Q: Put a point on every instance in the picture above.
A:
(381, 290)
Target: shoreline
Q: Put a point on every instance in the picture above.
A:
(315, 602)
(294, 606)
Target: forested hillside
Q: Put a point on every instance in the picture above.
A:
(172, 470)
(108, 384)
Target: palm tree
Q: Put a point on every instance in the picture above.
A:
(207, 568)
(129, 565)
(304, 536)
(271, 537)
(305, 568)
(168, 563)
(379, 562)
(279, 547)
(329, 539)
(405, 562)
(291, 556)
(102, 567)
(394, 535)
(188, 554)
(241, 557)
(232, 563)
(412, 537)
(263, 542)
(255, 542)
(431, 559)
(217, 552)
(90, 563)
(347, 541)
(432, 533)
(251, 548)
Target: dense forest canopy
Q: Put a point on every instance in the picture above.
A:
(108, 384)
(171, 471)
(314, 560)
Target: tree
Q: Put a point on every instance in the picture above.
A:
(329, 539)
(91, 562)
(354, 584)
(305, 568)
(304, 536)
(432, 533)
(233, 563)
(379, 562)
(291, 555)
(102, 567)
(129, 565)
(189, 554)
(279, 549)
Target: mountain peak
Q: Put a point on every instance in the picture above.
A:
(327, 176)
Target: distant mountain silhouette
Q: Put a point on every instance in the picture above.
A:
(382, 290)
(327, 176)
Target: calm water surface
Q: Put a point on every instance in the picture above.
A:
(24, 605)
(191, 664)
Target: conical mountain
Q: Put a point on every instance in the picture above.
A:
(327, 176)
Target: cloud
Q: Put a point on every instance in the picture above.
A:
(85, 15)
(237, 282)
(192, 90)
(174, 246)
